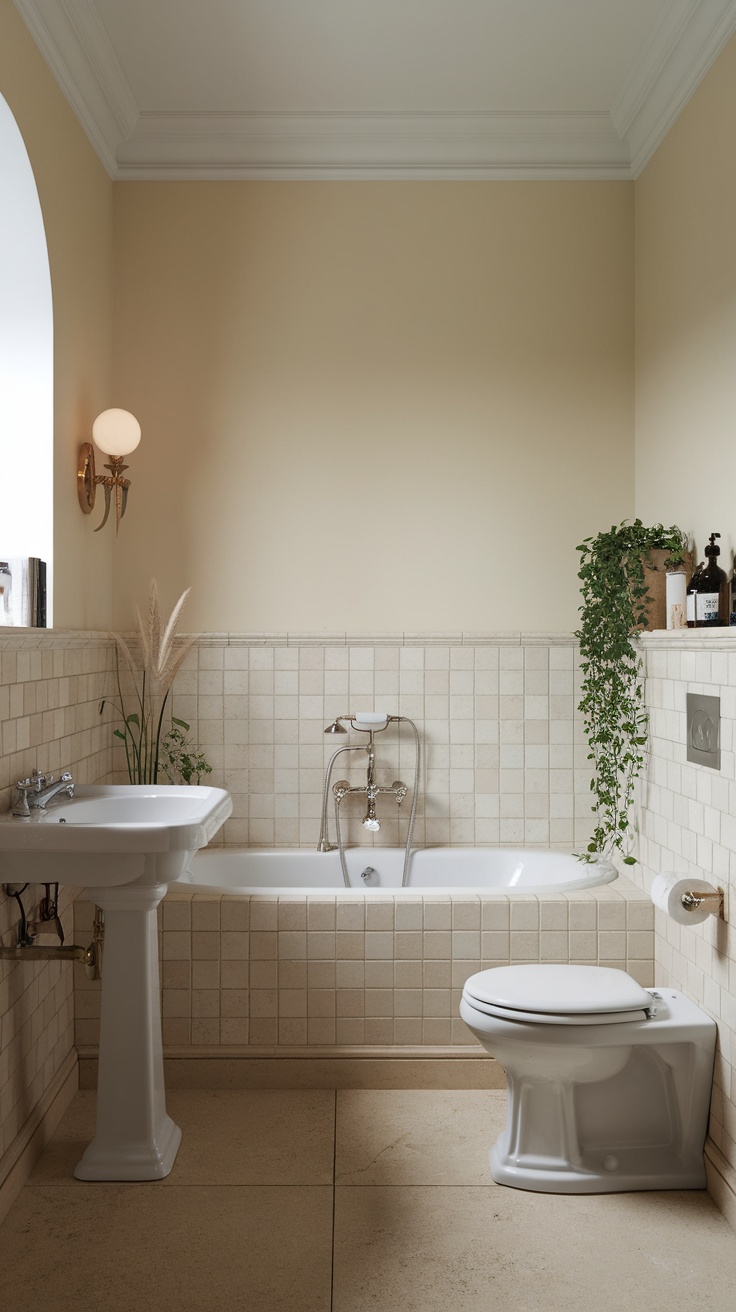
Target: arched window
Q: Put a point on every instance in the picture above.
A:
(26, 361)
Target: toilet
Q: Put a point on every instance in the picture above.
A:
(608, 1083)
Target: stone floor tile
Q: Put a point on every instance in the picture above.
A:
(416, 1136)
(503, 1250)
(130, 1247)
(229, 1137)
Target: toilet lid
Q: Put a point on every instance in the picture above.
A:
(557, 990)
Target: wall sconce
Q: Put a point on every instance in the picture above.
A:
(116, 433)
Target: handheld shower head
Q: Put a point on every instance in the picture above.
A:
(336, 727)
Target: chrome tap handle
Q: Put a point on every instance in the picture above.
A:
(21, 808)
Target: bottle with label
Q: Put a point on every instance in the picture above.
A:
(712, 598)
(6, 583)
(732, 616)
(691, 591)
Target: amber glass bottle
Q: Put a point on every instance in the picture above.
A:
(712, 600)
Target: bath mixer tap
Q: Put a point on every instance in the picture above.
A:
(35, 792)
(371, 791)
(370, 723)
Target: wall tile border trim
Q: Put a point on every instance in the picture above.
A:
(21, 639)
(720, 639)
(35, 639)
(388, 639)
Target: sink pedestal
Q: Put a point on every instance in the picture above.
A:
(134, 1137)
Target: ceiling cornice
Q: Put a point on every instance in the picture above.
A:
(73, 41)
(670, 67)
(134, 144)
(459, 145)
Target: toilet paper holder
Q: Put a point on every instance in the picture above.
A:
(714, 900)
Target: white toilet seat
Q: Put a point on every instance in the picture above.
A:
(556, 1018)
(558, 994)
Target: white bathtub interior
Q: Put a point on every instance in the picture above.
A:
(440, 870)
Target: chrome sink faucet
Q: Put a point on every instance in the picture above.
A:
(38, 790)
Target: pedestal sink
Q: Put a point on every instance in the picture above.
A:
(124, 844)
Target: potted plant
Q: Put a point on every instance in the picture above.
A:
(614, 610)
(150, 664)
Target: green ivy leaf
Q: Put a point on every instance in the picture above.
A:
(613, 591)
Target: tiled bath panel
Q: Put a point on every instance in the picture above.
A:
(50, 689)
(504, 759)
(287, 972)
(688, 826)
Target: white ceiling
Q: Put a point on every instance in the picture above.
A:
(378, 88)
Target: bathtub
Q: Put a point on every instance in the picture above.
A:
(436, 870)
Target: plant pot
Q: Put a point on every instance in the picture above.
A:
(655, 575)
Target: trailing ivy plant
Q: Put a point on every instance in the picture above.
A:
(616, 722)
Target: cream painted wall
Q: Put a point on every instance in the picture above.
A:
(76, 198)
(360, 399)
(686, 318)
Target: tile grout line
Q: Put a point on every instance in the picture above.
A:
(334, 1202)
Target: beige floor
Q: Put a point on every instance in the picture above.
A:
(360, 1201)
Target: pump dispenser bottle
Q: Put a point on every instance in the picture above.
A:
(712, 596)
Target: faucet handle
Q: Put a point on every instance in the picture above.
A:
(24, 787)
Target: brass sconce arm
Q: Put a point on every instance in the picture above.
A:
(88, 481)
(120, 432)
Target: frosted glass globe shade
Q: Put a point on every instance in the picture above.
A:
(116, 432)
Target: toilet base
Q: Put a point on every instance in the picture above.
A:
(602, 1108)
(635, 1169)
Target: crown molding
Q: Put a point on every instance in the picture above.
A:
(672, 64)
(458, 145)
(73, 41)
(100, 54)
(411, 145)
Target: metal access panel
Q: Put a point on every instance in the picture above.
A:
(704, 730)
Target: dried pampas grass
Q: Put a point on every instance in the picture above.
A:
(152, 665)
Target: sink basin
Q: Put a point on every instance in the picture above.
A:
(110, 834)
(124, 844)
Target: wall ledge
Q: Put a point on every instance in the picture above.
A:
(717, 639)
(456, 639)
(28, 639)
(12, 639)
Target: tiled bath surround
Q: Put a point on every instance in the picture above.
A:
(279, 973)
(688, 825)
(50, 689)
(504, 757)
(503, 762)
